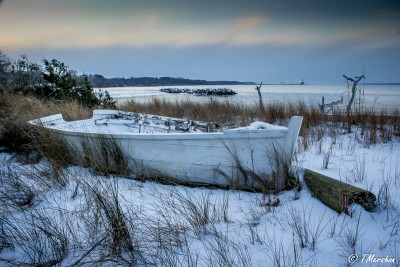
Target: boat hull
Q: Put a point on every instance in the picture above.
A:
(232, 157)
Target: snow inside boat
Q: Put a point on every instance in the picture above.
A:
(185, 150)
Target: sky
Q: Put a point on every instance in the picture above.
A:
(255, 40)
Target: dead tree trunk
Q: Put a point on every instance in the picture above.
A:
(259, 95)
(353, 89)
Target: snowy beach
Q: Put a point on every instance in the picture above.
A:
(181, 226)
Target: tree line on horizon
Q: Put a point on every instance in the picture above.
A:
(100, 81)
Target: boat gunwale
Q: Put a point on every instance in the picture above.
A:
(239, 134)
(235, 133)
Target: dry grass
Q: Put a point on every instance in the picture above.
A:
(378, 125)
(106, 157)
(214, 111)
(16, 110)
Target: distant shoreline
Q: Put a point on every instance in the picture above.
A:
(99, 81)
(381, 83)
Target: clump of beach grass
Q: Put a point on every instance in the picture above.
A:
(16, 110)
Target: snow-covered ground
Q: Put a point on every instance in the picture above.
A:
(71, 214)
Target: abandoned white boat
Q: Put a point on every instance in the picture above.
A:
(184, 150)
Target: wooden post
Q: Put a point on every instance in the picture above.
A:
(323, 103)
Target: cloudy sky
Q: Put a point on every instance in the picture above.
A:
(253, 40)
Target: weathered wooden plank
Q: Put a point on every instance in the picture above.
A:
(336, 194)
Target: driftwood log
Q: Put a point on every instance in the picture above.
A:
(338, 195)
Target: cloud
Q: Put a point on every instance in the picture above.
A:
(249, 22)
(176, 24)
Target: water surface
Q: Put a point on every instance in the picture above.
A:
(376, 96)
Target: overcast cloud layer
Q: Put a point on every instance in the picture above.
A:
(269, 41)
